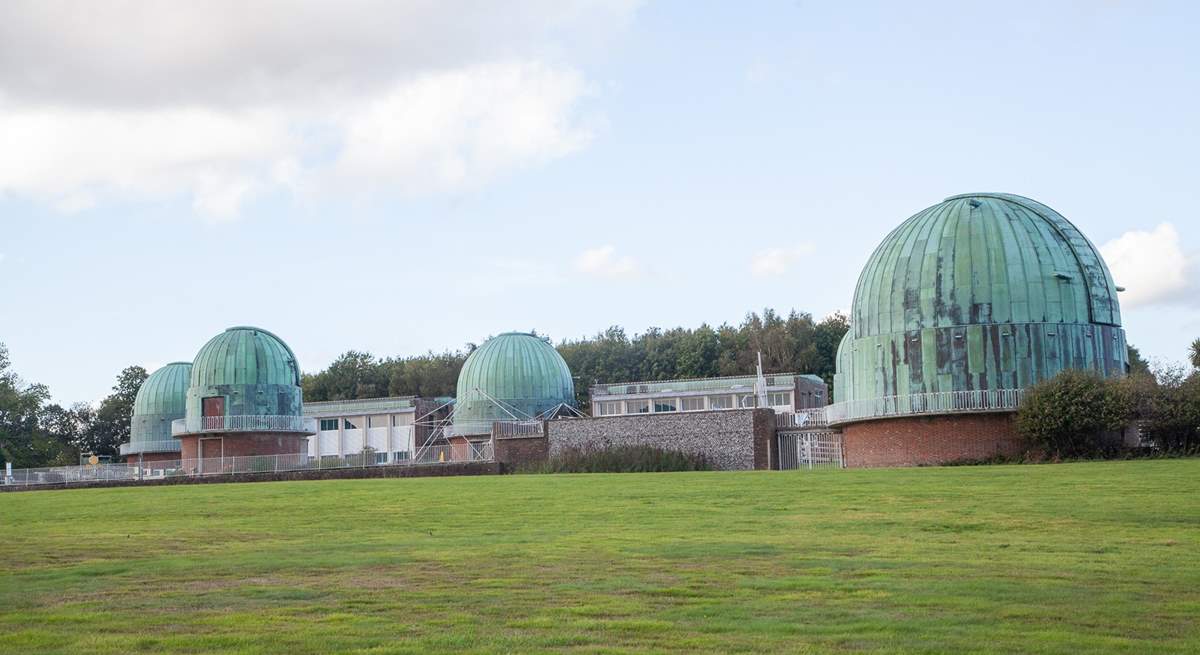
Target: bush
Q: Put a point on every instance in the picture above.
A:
(1074, 413)
(621, 459)
(1170, 411)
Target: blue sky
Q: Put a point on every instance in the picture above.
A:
(403, 177)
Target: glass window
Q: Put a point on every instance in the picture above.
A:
(779, 399)
(354, 422)
(692, 404)
(747, 401)
(666, 405)
(377, 421)
(609, 408)
(400, 420)
(720, 402)
(400, 456)
(637, 406)
(328, 424)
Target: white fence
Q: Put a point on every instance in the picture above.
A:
(944, 402)
(810, 450)
(431, 454)
(518, 428)
(807, 418)
(244, 423)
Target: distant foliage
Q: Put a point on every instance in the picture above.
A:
(1168, 404)
(621, 459)
(793, 343)
(1070, 414)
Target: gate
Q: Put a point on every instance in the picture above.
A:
(810, 449)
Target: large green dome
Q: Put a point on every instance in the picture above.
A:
(515, 371)
(253, 370)
(160, 400)
(984, 291)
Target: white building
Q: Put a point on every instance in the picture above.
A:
(786, 392)
(389, 428)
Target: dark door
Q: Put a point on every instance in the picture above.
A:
(213, 406)
(211, 411)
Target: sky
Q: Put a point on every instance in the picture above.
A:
(399, 177)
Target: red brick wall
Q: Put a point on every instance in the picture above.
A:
(148, 459)
(241, 444)
(515, 452)
(911, 441)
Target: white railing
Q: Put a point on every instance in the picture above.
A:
(243, 423)
(427, 455)
(805, 418)
(944, 402)
(502, 429)
(811, 450)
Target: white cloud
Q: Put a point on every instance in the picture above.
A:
(777, 261)
(219, 102)
(604, 262)
(1150, 265)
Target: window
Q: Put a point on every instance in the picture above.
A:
(377, 421)
(747, 401)
(379, 458)
(400, 420)
(353, 423)
(637, 406)
(328, 424)
(400, 456)
(608, 408)
(779, 399)
(720, 402)
(666, 405)
(693, 404)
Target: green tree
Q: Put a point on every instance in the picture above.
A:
(22, 441)
(1137, 365)
(1194, 354)
(1069, 414)
(109, 428)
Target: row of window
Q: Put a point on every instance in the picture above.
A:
(375, 421)
(689, 403)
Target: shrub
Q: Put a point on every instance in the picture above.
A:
(1070, 414)
(621, 459)
(1170, 412)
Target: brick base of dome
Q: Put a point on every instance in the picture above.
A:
(149, 459)
(241, 444)
(914, 441)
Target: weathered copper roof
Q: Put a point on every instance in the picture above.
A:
(245, 355)
(982, 291)
(521, 371)
(160, 400)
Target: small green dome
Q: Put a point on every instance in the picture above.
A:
(245, 355)
(254, 371)
(982, 291)
(161, 399)
(521, 372)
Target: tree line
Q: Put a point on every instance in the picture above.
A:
(794, 342)
(35, 432)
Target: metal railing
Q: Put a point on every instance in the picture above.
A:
(944, 402)
(805, 418)
(160, 446)
(243, 423)
(811, 450)
(510, 429)
(426, 455)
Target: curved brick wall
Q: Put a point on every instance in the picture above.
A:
(916, 440)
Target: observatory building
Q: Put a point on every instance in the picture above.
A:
(513, 376)
(159, 401)
(244, 398)
(960, 309)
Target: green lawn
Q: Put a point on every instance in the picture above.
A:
(1071, 558)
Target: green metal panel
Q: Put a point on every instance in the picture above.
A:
(522, 371)
(981, 291)
(254, 370)
(160, 400)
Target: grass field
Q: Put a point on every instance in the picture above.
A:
(1072, 558)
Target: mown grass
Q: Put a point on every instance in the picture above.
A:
(1097, 557)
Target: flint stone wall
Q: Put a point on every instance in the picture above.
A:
(730, 439)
